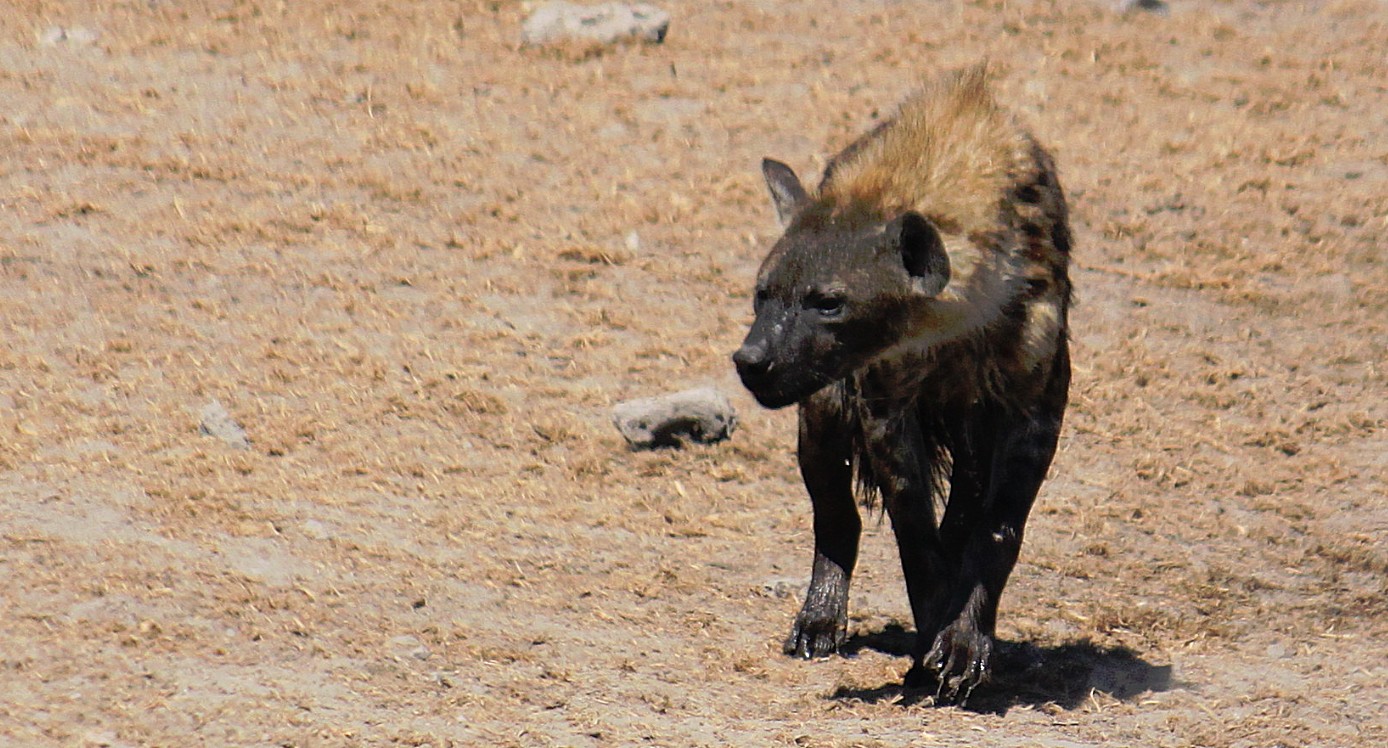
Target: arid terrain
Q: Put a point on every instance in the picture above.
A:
(419, 263)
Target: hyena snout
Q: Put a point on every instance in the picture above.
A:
(754, 363)
(763, 375)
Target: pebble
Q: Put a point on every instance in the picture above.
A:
(216, 421)
(1157, 7)
(317, 530)
(74, 35)
(409, 646)
(102, 739)
(783, 588)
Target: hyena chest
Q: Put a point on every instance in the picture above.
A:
(948, 378)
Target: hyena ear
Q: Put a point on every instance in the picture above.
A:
(922, 252)
(787, 194)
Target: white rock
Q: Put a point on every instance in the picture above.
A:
(605, 23)
(701, 415)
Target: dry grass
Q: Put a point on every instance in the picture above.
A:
(419, 264)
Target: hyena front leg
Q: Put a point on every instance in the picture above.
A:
(1023, 445)
(824, 452)
(903, 467)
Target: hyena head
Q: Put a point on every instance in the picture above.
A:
(833, 293)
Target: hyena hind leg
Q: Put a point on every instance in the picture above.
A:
(824, 453)
(1023, 446)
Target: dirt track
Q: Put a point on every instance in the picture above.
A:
(419, 264)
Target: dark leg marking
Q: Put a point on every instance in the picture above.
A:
(824, 453)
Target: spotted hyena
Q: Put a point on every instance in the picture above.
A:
(915, 309)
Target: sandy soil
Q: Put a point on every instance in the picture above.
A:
(419, 264)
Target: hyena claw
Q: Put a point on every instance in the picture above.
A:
(812, 638)
(960, 662)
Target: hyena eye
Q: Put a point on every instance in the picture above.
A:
(827, 304)
(760, 298)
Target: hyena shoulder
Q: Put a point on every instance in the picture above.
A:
(957, 157)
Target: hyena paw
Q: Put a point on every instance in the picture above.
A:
(959, 660)
(816, 635)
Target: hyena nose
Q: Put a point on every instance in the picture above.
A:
(752, 360)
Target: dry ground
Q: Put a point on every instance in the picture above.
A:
(419, 264)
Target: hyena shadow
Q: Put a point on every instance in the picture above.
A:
(1023, 674)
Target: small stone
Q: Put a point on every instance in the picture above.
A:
(70, 35)
(409, 646)
(216, 421)
(604, 24)
(782, 588)
(701, 415)
(317, 530)
(1157, 7)
(102, 739)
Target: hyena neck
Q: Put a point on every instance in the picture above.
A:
(986, 283)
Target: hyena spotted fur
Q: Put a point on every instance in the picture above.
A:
(915, 309)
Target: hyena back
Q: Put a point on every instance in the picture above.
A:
(915, 308)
